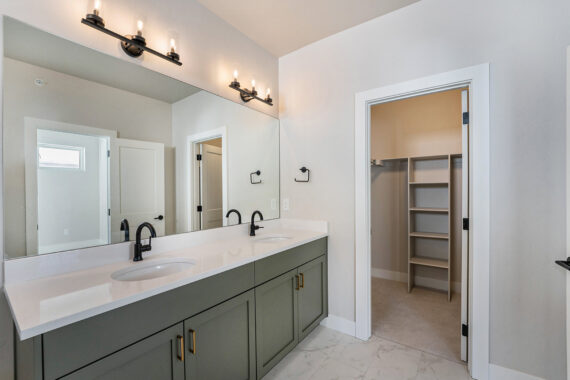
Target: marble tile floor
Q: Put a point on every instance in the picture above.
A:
(423, 319)
(327, 354)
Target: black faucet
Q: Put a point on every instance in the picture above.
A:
(252, 226)
(125, 227)
(139, 248)
(237, 212)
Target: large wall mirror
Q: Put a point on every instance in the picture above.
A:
(93, 146)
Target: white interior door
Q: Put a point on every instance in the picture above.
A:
(465, 233)
(211, 186)
(567, 213)
(137, 186)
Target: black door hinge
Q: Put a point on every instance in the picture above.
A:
(199, 208)
(464, 330)
(465, 117)
(109, 211)
(199, 157)
(108, 153)
(466, 224)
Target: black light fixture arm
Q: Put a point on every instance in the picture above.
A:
(248, 95)
(131, 45)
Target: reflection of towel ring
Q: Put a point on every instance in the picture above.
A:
(251, 177)
(304, 170)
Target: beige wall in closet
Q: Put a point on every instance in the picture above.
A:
(420, 126)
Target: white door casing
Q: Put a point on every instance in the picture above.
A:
(464, 233)
(137, 186)
(211, 187)
(192, 191)
(477, 79)
(567, 211)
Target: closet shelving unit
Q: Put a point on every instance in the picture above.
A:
(433, 174)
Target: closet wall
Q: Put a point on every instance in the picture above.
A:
(422, 126)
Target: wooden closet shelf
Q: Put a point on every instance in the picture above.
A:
(434, 183)
(429, 235)
(429, 209)
(429, 262)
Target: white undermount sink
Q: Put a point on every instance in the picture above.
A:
(271, 238)
(152, 269)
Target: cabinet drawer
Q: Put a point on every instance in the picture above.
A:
(276, 265)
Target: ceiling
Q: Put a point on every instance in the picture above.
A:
(282, 26)
(28, 44)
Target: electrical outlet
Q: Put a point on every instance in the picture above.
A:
(286, 204)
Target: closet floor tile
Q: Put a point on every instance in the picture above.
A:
(422, 319)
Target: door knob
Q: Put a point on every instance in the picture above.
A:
(160, 217)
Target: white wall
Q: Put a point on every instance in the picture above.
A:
(525, 43)
(252, 144)
(209, 48)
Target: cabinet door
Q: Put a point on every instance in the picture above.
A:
(159, 356)
(276, 318)
(220, 342)
(313, 299)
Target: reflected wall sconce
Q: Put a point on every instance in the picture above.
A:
(133, 45)
(248, 95)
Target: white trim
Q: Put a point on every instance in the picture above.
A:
(190, 173)
(339, 324)
(496, 372)
(426, 282)
(477, 78)
(567, 211)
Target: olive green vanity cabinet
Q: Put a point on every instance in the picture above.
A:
(234, 325)
(159, 356)
(220, 342)
(287, 309)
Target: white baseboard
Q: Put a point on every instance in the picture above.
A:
(340, 324)
(420, 281)
(497, 372)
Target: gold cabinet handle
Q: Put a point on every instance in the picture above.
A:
(296, 282)
(193, 348)
(180, 353)
(302, 280)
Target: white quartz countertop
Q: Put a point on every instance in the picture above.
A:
(44, 304)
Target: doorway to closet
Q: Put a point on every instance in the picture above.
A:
(418, 199)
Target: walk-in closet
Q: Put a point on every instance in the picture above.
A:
(418, 177)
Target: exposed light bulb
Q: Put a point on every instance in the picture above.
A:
(253, 83)
(139, 27)
(235, 75)
(97, 7)
(172, 45)
(268, 93)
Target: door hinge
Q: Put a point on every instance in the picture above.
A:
(465, 117)
(464, 330)
(199, 208)
(199, 157)
(109, 211)
(466, 224)
(108, 153)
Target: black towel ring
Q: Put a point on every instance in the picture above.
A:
(258, 172)
(304, 170)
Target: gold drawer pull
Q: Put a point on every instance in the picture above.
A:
(193, 348)
(296, 282)
(180, 353)
(302, 280)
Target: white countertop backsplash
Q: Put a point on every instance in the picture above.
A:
(51, 291)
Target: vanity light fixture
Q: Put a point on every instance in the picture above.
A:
(247, 95)
(133, 45)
